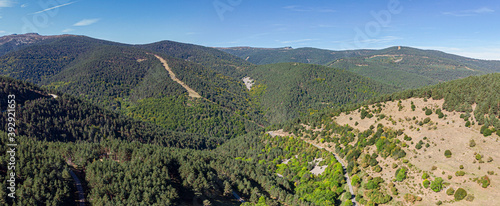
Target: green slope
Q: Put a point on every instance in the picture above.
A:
(403, 67)
(287, 54)
(69, 119)
(286, 90)
(218, 61)
(118, 76)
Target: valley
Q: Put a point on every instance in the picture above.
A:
(170, 123)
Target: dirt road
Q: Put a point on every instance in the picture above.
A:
(191, 92)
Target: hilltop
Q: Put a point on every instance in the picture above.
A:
(415, 145)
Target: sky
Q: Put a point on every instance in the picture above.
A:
(463, 27)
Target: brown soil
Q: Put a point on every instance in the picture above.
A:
(448, 133)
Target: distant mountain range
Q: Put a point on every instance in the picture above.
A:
(403, 67)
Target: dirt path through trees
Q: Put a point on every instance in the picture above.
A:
(191, 92)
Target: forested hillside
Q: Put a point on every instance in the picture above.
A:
(219, 61)
(414, 68)
(40, 116)
(123, 78)
(403, 67)
(410, 147)
(286, 90)
(112, 151)
(287, 54)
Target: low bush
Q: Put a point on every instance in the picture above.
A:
(460, 194)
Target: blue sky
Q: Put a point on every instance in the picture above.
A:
(464, 27)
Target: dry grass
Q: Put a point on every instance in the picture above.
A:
(449, 133)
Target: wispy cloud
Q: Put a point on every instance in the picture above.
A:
(1, 32)
(6, 3)
(296, 41)
(472, 12)
(298, 8)
(86, 22)
(384, 39)
(24, 5)
(68, 30)
(55, 7)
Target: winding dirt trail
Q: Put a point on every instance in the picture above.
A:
(191, 92)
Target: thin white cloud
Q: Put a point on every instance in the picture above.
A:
(384, 39)
(24, 5)
(55, 7)
(296, 41)
(86, 22)
(298, 8)
(472, 12)
(6, 3)
(67, 30)
(1, 32)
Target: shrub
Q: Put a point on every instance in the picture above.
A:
(472, 143)
(490, 159)
(394, 191)
(401, 174)
(419, 145)
(483, 128)
(377, 168)
(470, 197)
(487, 132)
(478, 156)
(460, 194)
(440, 113)
(355, 180)
(459, 173)
(427, 120)
(484, 181)
(407, 138)
(467, 124)
(426, 183)
(439, 202)
(410, 198)
(450, 191)
(428, 112)
(447, 153)
(425, 175)
(437, 184)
